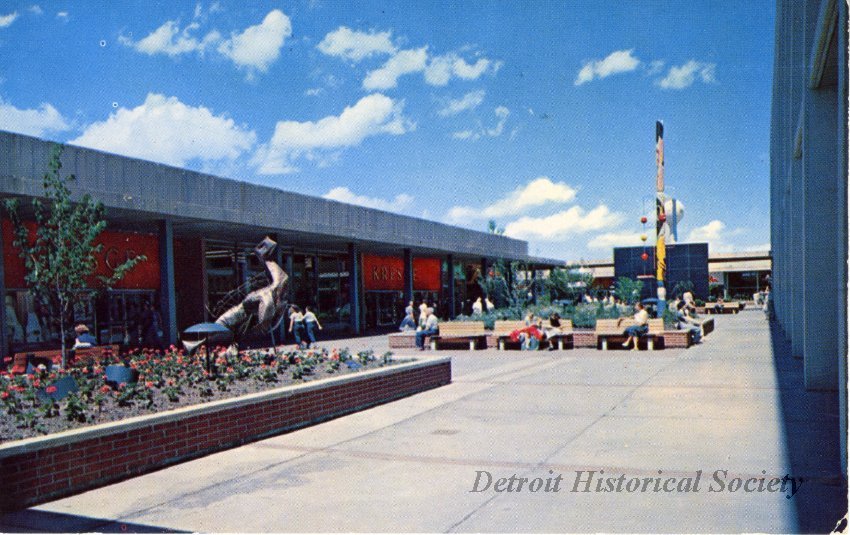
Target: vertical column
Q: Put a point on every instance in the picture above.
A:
(167, 294)
(798, 76)
(408, 276)
(280, 333)
(4, 339)
(354, 288)
(841, 237)
(820, 259)
(316, 281)
(450, 265)
(485, 266)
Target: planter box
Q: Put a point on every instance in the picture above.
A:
(584, 338)
(681, 338)
(42, 469)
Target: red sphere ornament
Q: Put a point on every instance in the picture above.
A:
(662, 217)
(645, 257)
(643, 219)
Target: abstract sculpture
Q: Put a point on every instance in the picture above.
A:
(261, 309)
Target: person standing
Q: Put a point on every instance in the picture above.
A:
(477, 307)
(311, 323)
(151, 327)
(408, 310)
(431, 327)
(296, 325)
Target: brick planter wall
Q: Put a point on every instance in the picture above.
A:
(677, 339)
(43, 469)
(584, 338)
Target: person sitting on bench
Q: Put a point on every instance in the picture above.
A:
(431, 327)
(84, 338)
(640, 327)
(685, 321)
(718, 306)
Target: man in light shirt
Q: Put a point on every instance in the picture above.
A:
(431, 327)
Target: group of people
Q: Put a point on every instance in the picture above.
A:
(303, 326)
(426, 324)
(478, 306)
(536, 331)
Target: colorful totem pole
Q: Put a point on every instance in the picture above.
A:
(662, 229)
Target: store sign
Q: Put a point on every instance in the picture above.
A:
(387, 273)
(118, 247)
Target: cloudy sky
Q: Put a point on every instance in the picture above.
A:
(539, 115)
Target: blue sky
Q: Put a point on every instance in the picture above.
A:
(540, 115)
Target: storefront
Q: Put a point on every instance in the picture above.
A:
(356, 267)
(113, 315)
(383, 285)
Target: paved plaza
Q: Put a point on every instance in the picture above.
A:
(734, 404)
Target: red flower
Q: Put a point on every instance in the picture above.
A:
(149, 384)
(36, 383)
(51, 389)
(122, 385)
(7, 359)
(4, 395)
(105, 389)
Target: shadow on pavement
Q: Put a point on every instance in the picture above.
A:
(35, 521)
(811, 430)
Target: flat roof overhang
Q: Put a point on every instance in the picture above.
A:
(138, 194)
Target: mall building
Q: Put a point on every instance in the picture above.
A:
(356, 267)
(808, 191)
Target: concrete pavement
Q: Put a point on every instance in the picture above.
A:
(733, 404)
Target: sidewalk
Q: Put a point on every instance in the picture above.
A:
(734, 403)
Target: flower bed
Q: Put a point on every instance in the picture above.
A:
(167, 380)
(41, 469)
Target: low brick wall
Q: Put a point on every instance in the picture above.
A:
(43, 469)
(681, 338)
(584, 338)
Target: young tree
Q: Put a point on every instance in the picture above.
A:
(60, 257)
(628, 290)
(570, 282)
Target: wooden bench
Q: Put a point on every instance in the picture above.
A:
(566, 333)
(405, 340)
(19, 364)
(727, 308)
(614, 329)
(502, 330)
(451, 331)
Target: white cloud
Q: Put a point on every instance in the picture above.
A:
(440, 69)
(502, 114)
(355, 45)
(615, 62)
(170, 40)
(437, 70)
(404, 62)
(538, 192)
(398, 204)
(165, 130)
(36, 9)
(63, 16)
(254, 49)
(372, 115)
(313, 92)
(610, 240)
(715, 233)
(7, 20)
(685, 75)
(563, 224)
(469, 101)
(33, 122)
(258, 46)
